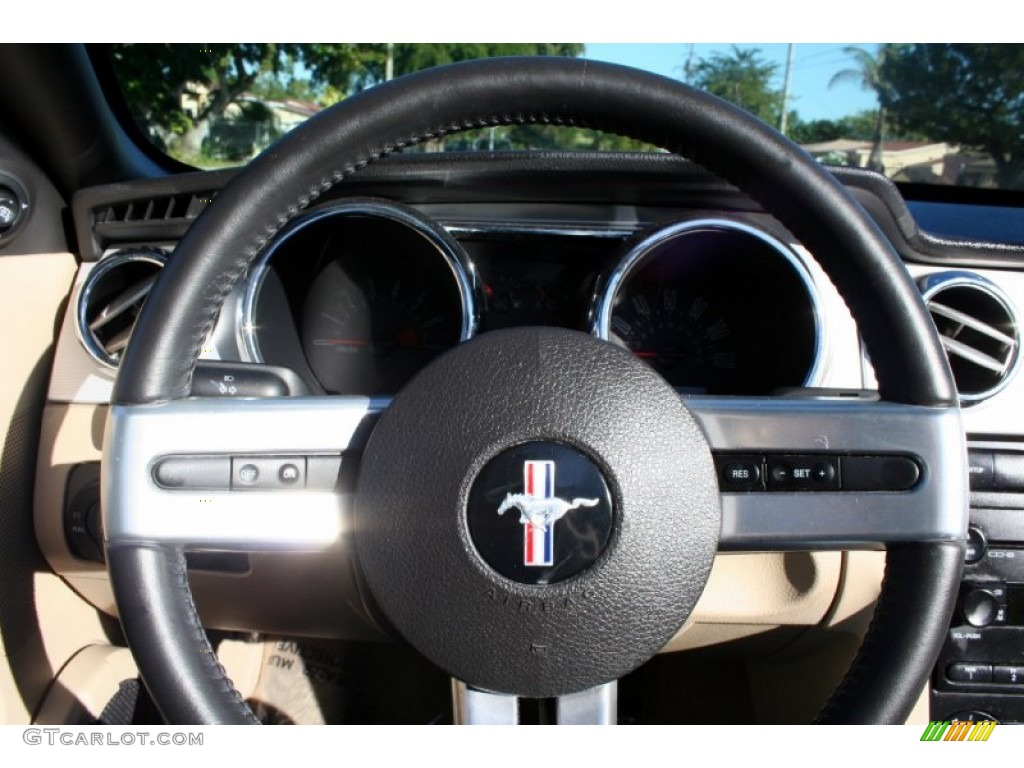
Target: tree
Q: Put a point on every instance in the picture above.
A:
(966, 94)
(857, 126)
(179, 92)
(159, 80)
(352, 67)
(743, 78)
(868, 73)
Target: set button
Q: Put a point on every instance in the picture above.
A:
(803, 473)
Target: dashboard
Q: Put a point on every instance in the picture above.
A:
(360, 292)
(417, 254)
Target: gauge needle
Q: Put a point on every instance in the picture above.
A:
(644, 353)
(340, 342)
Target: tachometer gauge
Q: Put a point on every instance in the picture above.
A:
(369, 325)
(716, 307)
(373, 290)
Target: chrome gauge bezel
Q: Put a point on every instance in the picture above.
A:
(639, 254)
(445, 245)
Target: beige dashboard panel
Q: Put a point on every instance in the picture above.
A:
(42, 622)
(750, 594)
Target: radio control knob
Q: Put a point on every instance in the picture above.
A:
(976, 545)
(979, 607)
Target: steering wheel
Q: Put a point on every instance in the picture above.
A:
(507, 404)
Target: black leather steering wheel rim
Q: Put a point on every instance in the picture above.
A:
(156, 610)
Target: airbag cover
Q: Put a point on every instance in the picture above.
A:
(506, 389)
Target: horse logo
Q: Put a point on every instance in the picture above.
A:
(539, 510)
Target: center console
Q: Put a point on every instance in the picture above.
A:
(980, 672)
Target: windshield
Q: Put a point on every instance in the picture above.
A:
(944, 114)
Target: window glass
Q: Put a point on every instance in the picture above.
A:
(950, 114)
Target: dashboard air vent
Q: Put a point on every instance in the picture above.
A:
(978, 328)
(164, 208)
(111, 298)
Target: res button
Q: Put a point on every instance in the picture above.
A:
(740, 473)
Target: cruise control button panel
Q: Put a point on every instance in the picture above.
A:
(768, 472)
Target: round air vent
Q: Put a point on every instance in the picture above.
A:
(978, 328)
(111, 299)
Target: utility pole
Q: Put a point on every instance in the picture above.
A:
(688, 67)
(784, 117)
(389, 63)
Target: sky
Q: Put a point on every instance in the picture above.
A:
(814, 64)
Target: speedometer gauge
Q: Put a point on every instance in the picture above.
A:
(374, 292)
(686, 341)
(716, 307)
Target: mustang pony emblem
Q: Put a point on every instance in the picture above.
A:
(539, 510)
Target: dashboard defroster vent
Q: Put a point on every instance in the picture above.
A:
(110, 300)
(978, 328)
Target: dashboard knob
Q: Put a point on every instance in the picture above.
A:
(10, 209)
(976, 546)
(979, 607)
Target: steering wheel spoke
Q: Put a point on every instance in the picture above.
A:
(806, 473)
(597, 705)
(231, 474)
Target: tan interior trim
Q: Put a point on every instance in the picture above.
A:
(85, 685)
(42, 622)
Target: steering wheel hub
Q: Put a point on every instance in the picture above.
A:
(487, 428)
(540, 513)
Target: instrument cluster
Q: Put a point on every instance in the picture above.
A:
(359, 295)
